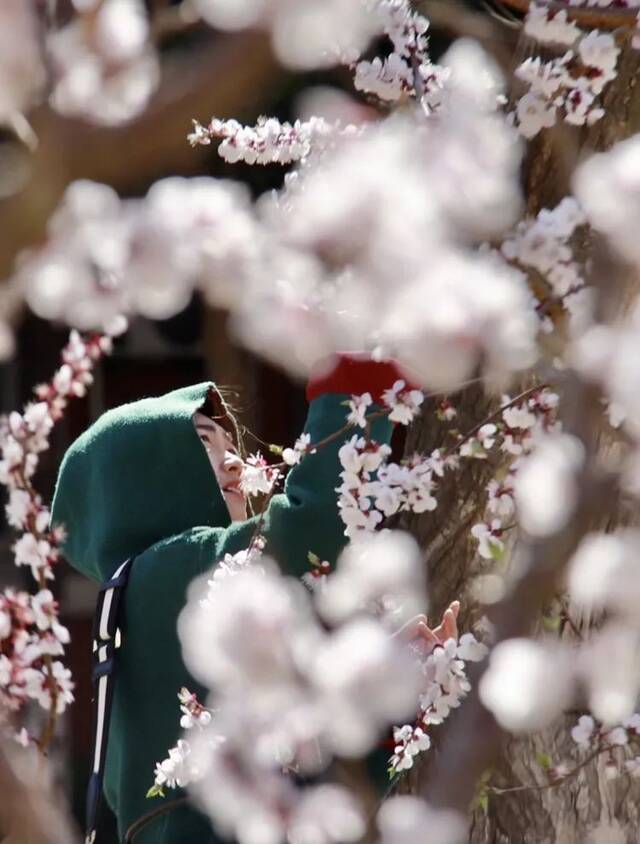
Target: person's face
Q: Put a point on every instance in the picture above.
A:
(226, 464)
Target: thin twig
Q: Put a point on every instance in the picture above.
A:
(492, 789)
(465, 437)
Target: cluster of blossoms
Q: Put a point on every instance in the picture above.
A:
(407, 70)
(402, 402)
(568, 85)
(179, 768)
(30, 638)
(103, 65)
(446, 685)
(269, 141)
(331, 240)
(373, 488)
(30, 634)
(106, 256)
(521, 424)
(175, 771)
(528, 684)
(543, 246)
(258, 477)
(364, 500)
(289, 694)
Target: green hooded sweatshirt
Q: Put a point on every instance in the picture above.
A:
(139, 483)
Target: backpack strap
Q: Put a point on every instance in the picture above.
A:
(106, 641)
(138, 825)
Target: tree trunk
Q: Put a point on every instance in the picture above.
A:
(583, 807)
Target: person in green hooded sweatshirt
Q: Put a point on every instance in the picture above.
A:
(143, 482)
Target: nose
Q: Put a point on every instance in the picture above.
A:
(232, 464)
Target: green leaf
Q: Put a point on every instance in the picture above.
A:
(155, 791)
(276, 449)
(544, 760)
(497, 550)
(314, 559)
(551, 623)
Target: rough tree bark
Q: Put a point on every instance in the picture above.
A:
(581, 809)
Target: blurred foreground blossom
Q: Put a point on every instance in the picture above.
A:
(527, 684)
(304, 35)
(287, 693)
(604, 573)
(106, 256)
(371, 568)
(609, 669)
(546, 484)
(409, 820)
(607, 185)
(336, 259)
(104, 70)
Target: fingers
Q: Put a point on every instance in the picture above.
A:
(427, 635)
(418, 627)
(411, 629)
(449, 625)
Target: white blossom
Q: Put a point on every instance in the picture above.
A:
(583, 730)
(534, 114)
(174, 771)
(33, 552)
(550, 26)
(617, 736)
(409, 742)
(490, 544)
(599, 50)
(404, 403)
(269, 141)
(292, 456)
(358, 409)
(257, 477)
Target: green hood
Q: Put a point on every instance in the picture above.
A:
(138, 475)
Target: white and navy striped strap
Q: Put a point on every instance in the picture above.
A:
(106, 641)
